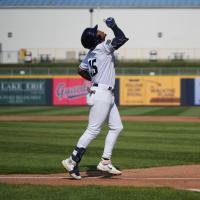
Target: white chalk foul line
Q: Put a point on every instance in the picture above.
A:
(158, 178)
(99, 177)
(34, 177)
(194, 190)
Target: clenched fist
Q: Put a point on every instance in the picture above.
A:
(110, 22)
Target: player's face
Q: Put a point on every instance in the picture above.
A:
(101, 35)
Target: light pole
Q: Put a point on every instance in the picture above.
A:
(91, 10)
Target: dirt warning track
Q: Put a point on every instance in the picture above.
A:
(85, 118)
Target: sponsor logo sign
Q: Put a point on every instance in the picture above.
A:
(70, 91)
(25, 91)
(147, 90)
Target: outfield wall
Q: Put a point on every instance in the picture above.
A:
(129, 91)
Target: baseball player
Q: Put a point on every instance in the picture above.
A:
(99, 68)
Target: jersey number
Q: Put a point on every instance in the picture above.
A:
(93, 66)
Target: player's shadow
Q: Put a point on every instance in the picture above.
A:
(93, 172)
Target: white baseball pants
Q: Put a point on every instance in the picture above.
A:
(102, 108)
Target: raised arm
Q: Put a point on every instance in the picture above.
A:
(119, 38)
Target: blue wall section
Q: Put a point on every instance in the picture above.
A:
(117, 89)
(187, 92)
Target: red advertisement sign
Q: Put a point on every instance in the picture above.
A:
(70, 91)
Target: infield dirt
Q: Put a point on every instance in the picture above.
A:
(180, 177)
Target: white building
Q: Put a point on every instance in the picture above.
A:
(168, 29)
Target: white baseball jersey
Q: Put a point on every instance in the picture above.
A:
(100, 63)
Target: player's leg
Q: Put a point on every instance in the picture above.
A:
(115, 127)
(98, 114)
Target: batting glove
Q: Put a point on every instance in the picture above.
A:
(110, 22)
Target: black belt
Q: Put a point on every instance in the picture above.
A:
(109, 88)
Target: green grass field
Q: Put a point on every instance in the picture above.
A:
(29, 192)
(38, 147)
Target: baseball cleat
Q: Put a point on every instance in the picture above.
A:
(72, 168)
(106, 166)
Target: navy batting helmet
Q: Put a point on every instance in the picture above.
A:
(89, 38)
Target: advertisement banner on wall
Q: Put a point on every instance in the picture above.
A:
(149, 91)
(25, 92)
(70, 91)
(197, 91)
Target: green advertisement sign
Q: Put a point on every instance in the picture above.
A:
(25, 91)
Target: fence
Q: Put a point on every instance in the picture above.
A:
(38, 71)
